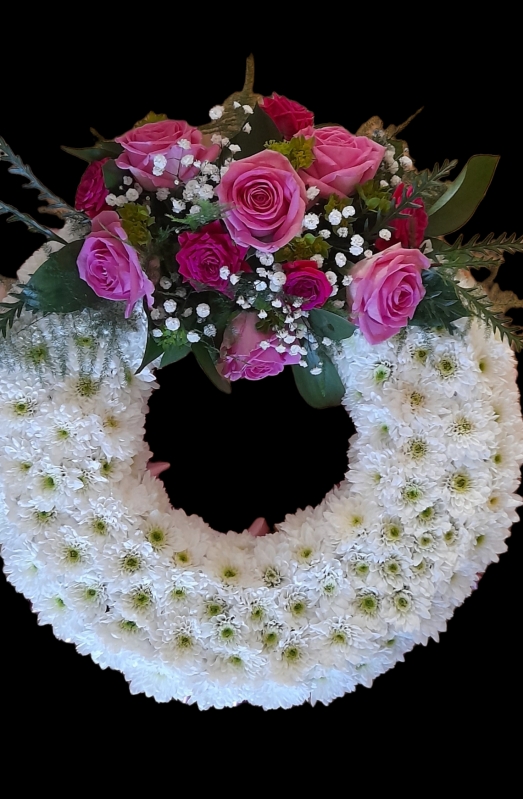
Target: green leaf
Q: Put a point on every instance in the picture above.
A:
(458, 204)
(325, 323)
(113, 176)
(263, 129)
(203, 357)
(441, 305)
(152, 351)
(320, 391)
(174, 354)
(56, 286)
(102, 149)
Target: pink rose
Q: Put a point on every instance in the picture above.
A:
(203, 253)
(241, 353)
(110, 266)
(91, 192)
(305, 279)
(386, 290)
(267, 199)
(341, 160)
(288, 115)
(410, 228)
(142, 144)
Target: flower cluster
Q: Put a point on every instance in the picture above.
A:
(262, 240)
(333, 598)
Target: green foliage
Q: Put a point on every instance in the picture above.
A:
(99, 151)
(113, 176)
(152, 351)
(298, 150)
(262, 129)
(150, 117)
(478, 253)
(174, 353)
(441, 305)
(458, 204)
(207, 363)
(136, 221)
(320, 391)
(54, 205)
(331, 325)
(375, 198)
(10, 311)
(302, 248)
(209, 211)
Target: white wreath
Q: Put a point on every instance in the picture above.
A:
(333, 598)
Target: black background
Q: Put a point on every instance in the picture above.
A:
(262, 451)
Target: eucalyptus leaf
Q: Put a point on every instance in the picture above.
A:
(102, 149)
(457, 205)
(152, 351)
(320, 391)
(56, 286)
(326, 323)
(174, 354)
(203, 357)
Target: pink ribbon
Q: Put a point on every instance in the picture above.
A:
(155, 468)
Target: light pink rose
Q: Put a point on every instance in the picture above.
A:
(341, 160)
(267, 199)
(142, 144)
(386, 290)
(110, 266)
(241, 353)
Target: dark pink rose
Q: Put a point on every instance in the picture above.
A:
(288, 115)
(341, 160)
(203, 253)
(267, 199)
(410, 229)
(305, 279)
(386, 290)
(110, 266)
(142, 144)
(242, 353)
(91, 191)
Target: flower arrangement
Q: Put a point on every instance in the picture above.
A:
(255, 242)
(259, 240)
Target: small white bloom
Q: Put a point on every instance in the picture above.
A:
(179, 292)
(368, 253)
(317, 370)
(170, 306)
(216, 112)
(279, 278)
(276, 303)
(349, 210)
(262, 314)
(203, 310)
(127, 180)
(312, 192)
(248, 109)
(311, 221)
(111, 199)
(326, 341)
(193, 336)
(393, 168)
(289, 339)
(235, 148)
(165, 283)
(162, 194)
(225, 143)
(325, 234)
(406, 163)
(266, 258)
(303, 363)
(340, 259)
(236, 104)
(395, 181)
(187, 313)
(209, 330)
(357, 240)
(206, 192)
(261, 271)
(185, 144)
(335, 217)
(260, 285)
(385, 234)
(318, 258)
(121, 200)
(234, 279)
(157, 333)
(247, 128)
(356, 250)
(264, 344)
(342, 232)
(332, 277)
(172, 323)
(281, 348)
(194, 209)
(187, 160)
(338, 303)
(178, 205)
(160, 162)
(156, 314)
(224, 272)
(347, 280)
